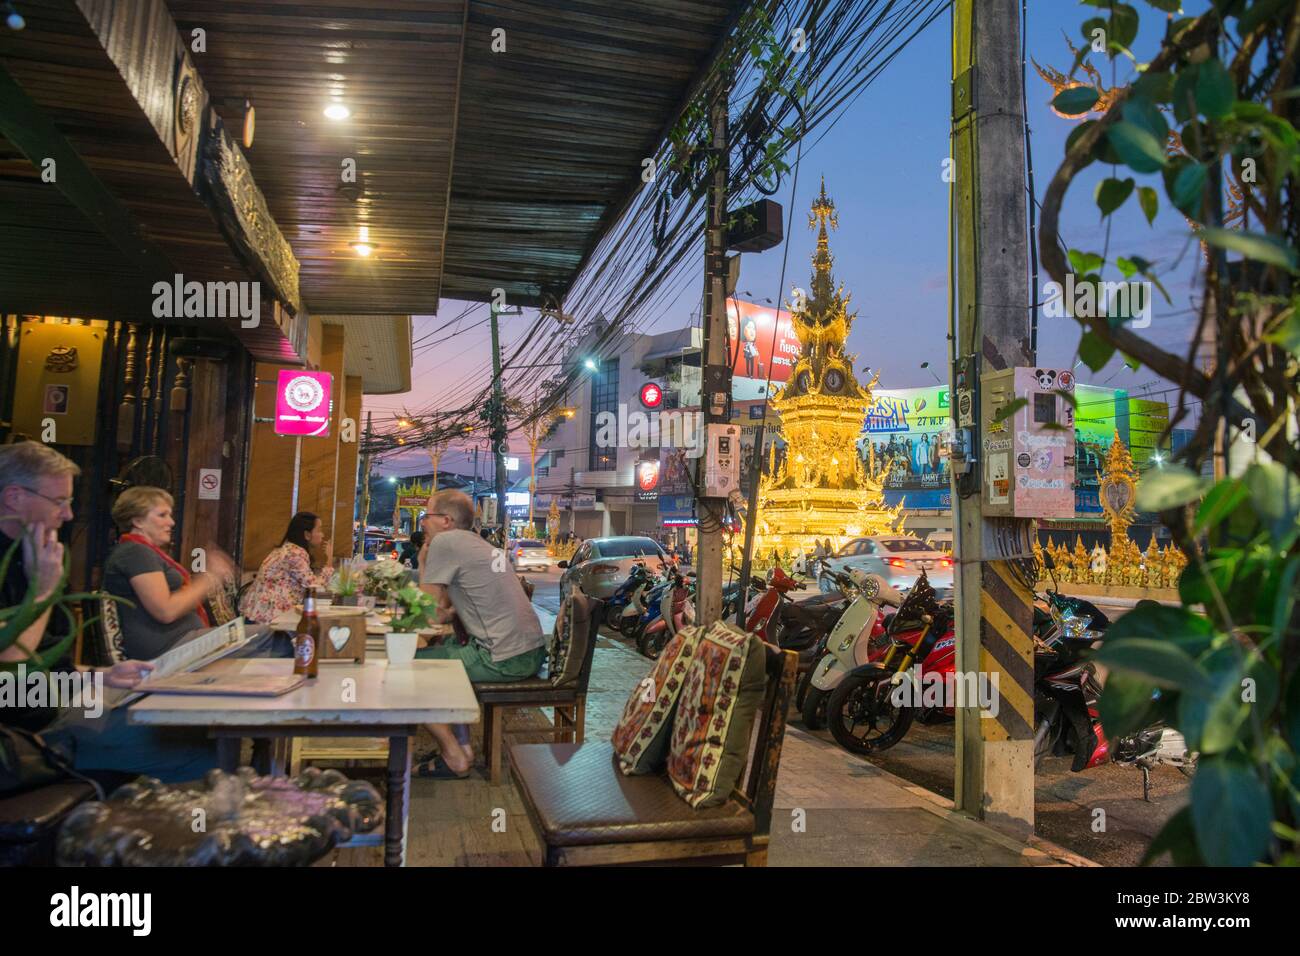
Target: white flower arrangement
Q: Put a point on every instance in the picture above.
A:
(384, 577)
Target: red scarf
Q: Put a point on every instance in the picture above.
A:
(201, 611)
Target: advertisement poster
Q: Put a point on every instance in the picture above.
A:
(906, 426)
(647, 479)
(302, 403)
(749, 329)
(676, 496)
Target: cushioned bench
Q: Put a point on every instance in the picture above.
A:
(587, 813)
(569, 698)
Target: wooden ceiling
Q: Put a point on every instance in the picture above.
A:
(538, 146)
(476, 169)
(394, 63)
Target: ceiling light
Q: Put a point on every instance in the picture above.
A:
(337, 111)
(363, 249)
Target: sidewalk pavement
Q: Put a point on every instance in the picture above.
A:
(832, 808)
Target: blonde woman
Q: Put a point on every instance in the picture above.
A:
(167, 599)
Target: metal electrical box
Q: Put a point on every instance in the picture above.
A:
(1028, 456)
(722, 461)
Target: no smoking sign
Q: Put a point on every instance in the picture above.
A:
(209, 484)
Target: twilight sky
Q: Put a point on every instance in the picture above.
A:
(882, 162)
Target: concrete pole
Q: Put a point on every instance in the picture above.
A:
(716, 390)
(499, 430)
(995, 765)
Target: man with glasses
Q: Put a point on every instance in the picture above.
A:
(36, 485)
(35, 501)
(473, 581)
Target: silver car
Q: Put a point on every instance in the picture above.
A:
(600, 565)
(899, 559)
(528, 554)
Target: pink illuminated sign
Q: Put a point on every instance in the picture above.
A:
(302, 403)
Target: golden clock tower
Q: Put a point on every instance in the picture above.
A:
(822, 488)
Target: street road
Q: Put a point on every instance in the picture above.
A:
(1066, 804)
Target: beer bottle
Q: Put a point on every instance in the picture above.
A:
(306, 640)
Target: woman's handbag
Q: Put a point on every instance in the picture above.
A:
(28, 762)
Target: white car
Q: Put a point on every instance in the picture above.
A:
(527, 554)
(899, 559)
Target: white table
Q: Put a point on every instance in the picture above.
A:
(346, 700)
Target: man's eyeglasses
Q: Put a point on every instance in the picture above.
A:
(60, 502)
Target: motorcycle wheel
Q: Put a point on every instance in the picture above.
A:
(827, 584)
(613, 615)
(863, 703)
(650, 645)
(813, 709)
(627, 626)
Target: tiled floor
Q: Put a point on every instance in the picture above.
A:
(831, 809)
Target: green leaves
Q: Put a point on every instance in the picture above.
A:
(1253, 245)
(1111, 194)
(1231, 811)
(1215, 91)
(1095, 351)
(1169, 487)
(1189, 189)
(1085, 262)
(1150, 203)
(1137, 147)
(1075, 101)
(1275, 495)
(1157, 661)
(1009, 409)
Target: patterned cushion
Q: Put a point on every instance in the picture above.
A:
(569, 639)
(722, 691)
(641, 737)
(111, 626)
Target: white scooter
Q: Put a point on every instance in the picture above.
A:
(848, 644)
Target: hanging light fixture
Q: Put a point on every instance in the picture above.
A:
(363, 246)
(250, 123)
(337, 112)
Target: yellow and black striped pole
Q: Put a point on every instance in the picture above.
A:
(992, 325)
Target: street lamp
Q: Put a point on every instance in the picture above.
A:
(926, 366)
(591, 364)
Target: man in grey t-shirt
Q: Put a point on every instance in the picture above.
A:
(474, 581)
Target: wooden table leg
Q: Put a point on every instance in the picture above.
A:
(399, 796)
(228, 753)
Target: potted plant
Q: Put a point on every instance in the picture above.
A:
(346, 585)
(416, 610)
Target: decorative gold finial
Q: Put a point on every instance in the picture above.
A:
(823, 211)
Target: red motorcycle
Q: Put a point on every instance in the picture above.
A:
(872, 708)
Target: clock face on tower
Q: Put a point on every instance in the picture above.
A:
(834, 380)
(802, 381)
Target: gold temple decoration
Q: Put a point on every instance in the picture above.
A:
(62, 358)
(821, 488)
(413, 498)
(1123, 564)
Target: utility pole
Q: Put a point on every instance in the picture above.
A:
(573, 495)
(715, 396)
(995, 761)
(359, 544)
(499, 427)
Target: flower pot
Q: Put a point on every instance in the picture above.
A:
(347, 600)
(400, 646)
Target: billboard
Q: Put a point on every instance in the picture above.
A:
(302, 403)
(906, 426)
(754, 353)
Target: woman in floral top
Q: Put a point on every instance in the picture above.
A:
(287, 573)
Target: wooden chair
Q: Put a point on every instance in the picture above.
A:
(587, 813)
(569, 700)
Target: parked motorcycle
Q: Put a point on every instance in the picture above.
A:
(1067, 720)
(859, 631)
(862, 711)
(618, 602)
